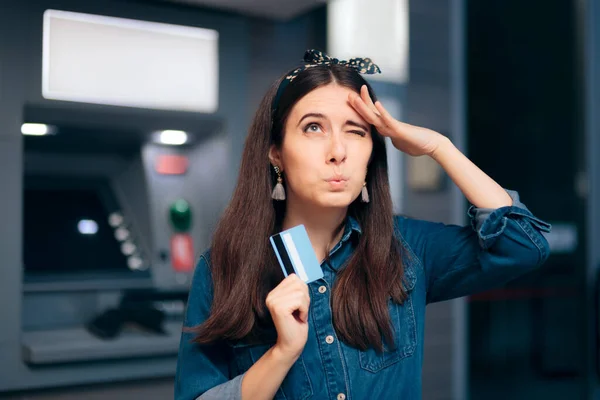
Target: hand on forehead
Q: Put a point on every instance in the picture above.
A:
(328, 102)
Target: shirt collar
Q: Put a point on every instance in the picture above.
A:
(351, 226)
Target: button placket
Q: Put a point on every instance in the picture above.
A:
(331, 354)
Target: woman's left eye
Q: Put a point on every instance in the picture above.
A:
(361, 133)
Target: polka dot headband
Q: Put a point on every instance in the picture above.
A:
(314, 58)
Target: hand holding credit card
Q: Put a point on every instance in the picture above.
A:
(296, 255)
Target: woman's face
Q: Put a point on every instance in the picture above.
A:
(325, 151)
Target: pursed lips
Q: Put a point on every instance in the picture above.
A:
(337, 178)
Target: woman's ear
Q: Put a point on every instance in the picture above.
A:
(275, 157)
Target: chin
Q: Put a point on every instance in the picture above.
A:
(336, 200)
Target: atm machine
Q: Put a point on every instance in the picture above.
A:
(124, 166)
(115, 214)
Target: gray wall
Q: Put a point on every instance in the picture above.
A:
(435, 100)
(277, 47)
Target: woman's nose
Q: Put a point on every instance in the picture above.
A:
(337, 150)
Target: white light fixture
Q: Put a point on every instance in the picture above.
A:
(172, 137)
(35, 129)
(87, 227)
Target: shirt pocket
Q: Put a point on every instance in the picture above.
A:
(295, 386)
(405, 332)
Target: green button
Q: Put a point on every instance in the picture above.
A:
(180, 214)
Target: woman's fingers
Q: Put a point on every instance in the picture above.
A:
(303, 311)
(363, 109)
(294, 301)
(290, 285)
(387, 119)
(288, 304)
(364, 94)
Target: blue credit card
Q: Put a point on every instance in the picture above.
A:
(296, 255)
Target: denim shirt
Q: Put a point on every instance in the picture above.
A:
(441, 262)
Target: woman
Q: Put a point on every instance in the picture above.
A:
(315, 155)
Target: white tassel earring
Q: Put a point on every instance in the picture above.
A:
(364, 194)
(278, 190)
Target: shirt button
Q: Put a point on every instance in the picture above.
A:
(341, 396)
(322, 289)
(329, 339)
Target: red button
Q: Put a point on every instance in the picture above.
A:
(171, 164)
(182, 252)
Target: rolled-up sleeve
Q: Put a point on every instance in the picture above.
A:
(203, 372)
(497, 246)
(230, 390)
(490, 223)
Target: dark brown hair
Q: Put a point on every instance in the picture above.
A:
(240, 247)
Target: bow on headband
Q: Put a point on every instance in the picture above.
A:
(314, 58)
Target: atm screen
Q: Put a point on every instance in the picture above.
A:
(67, 230)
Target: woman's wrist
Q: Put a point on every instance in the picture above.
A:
(282, 357)
(444, 146)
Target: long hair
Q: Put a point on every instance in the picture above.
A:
(243, 265)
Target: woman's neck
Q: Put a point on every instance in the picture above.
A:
(322, 226)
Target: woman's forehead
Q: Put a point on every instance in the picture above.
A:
(329, 100)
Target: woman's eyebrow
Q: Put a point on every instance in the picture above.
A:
(358, 125)
(314, 115)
